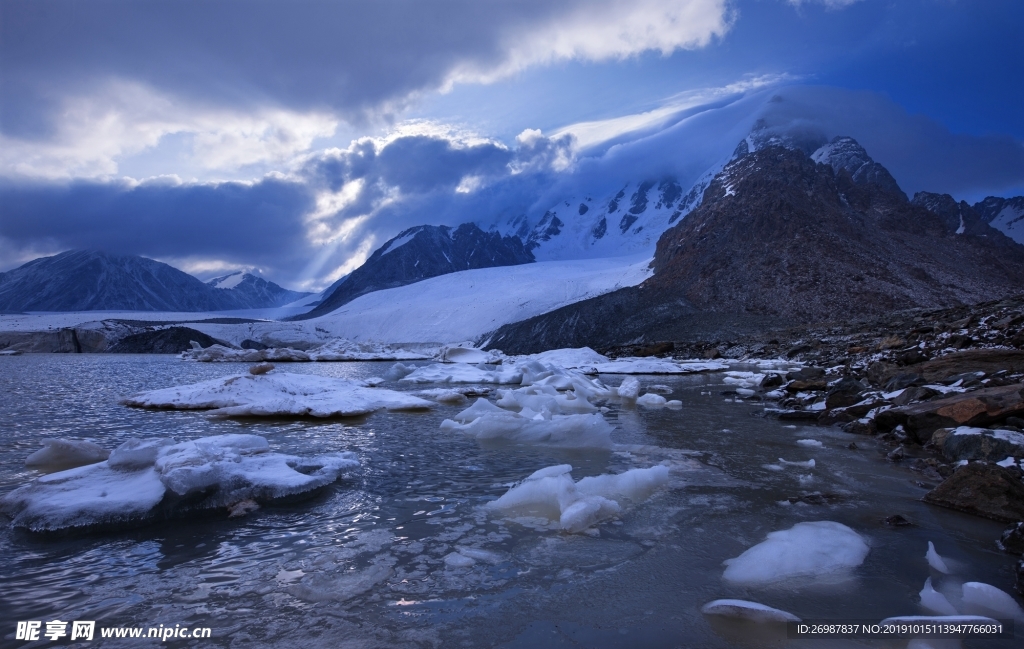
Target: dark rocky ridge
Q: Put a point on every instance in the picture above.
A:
(423, 252)
(780, 238)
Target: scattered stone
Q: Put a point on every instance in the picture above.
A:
(852, 446)
(809, 385)
(902, 381)
(242, 508)
(772, 381)
(816, 498)
(896, 455)
(261, 368)
(861, 427)
(974, 360)
(896, 520)
(806, 374)
(1012, 540)
(984, 490)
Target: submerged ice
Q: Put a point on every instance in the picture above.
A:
(148, 478)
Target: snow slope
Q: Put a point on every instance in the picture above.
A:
(465, 305)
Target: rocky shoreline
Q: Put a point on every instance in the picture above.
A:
(941, 393)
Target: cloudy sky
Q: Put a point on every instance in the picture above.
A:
(298, 136)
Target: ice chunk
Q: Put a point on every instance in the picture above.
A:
(629, 389)
(398, 371)
(144, 479)
(812, 443)
(934, 601)
(61, 454)
(528, 427)
(809, 464)
(934, 560)
(278, 394)
(744, 610)
(551, 493)
(813, 549)
(581, 357)
(652, 400)
(544, 398)
(137, 453)
(983, 599)
(467, 354)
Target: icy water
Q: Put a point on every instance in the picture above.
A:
(362, 564)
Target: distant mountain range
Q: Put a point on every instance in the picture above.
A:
(89, 280)
(790, 235)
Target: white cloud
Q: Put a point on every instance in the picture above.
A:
(602, 30)
(97, 131)
(831, 4)
(595, 132)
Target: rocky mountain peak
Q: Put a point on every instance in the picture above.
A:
(845, 153)
(958, 217)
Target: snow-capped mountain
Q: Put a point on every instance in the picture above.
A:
(422, 252)
(1004, 214)
(785, 236)
(247, 287)
(91, 280)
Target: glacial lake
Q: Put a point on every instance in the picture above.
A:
(361, 564)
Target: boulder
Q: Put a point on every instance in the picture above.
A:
(967, 443)
(845, 393)
(1012, 540)
(982, 489)
(806, 374)
(977, 408)
(807, 385)
(988, 361)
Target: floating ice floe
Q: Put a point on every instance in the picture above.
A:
(146, 479)
(334, 350)
(452, 394)
(61, 454)
(815, 549)
(278, 394)
(571, 358)
(652, 400)
(983, 599)
(744, 610)
(935, 602)
(809, 464)
(466, 353)
(551, 494)
(812, 443)
(486, 421)
(934, 560)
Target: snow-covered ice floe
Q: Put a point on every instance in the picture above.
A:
(812, 549)
(335, 350)
(551, 494)
(151, 478)
(465, 373)
(278, 394)
(744, 610)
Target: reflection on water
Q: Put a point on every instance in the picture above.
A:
(365, 561)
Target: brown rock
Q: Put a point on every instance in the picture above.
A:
(981, 489)
(806, 386)
(978, 408)
(975, 360)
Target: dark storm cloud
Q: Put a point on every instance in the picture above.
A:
(349, 56)
(246, 224)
